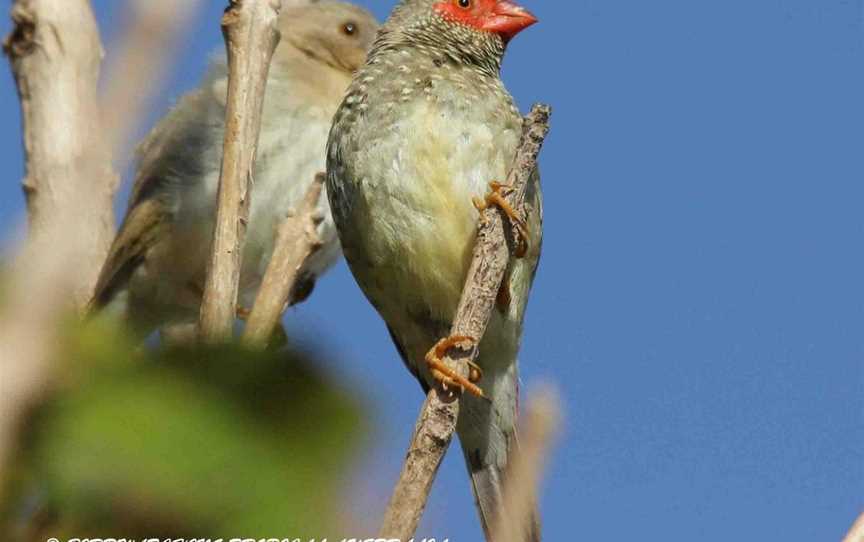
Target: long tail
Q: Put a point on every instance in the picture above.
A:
(487, 433)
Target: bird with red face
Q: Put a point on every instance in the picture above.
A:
(425, 126)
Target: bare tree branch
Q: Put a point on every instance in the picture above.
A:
(251, 36)
(437, 420)
(55, 54)
(525, 470)
(856, 533)
(296, 240)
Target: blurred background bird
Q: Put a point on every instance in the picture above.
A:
(424, 128)
(155, 270)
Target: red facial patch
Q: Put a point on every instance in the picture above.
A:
(470, 13)
(501, 17)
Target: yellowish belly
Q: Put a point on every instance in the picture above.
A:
(421, 218)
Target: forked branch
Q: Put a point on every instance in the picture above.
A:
(251, 36)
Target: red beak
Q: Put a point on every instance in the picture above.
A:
(508, 19)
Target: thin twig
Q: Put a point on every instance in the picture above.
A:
(525, 470)
(437, 420)
(856, 533)
(251, 36)
(297, 239)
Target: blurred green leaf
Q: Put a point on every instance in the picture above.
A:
(192, 442)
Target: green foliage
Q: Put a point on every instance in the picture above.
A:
(212, 442)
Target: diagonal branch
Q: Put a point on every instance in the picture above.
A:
(296, 240)
(251, 36)
(437, 420)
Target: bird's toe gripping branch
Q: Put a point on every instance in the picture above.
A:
(447, 376)
(497, 198)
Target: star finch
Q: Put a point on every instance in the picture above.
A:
(155, 270)
(424, 128)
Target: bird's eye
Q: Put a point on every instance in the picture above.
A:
(349, 29)
(464, 4)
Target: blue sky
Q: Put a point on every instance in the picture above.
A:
(700, 299)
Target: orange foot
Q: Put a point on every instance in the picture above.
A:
(447, 376)
(497, 198)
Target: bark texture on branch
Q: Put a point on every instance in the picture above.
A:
(437, 420)
(55, 53)
(251, 36)
(296, 240)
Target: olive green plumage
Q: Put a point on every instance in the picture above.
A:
(425, 126)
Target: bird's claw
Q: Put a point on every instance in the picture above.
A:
(497, 197)
(447, 376)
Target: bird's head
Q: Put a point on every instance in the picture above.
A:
(502, 18)
(466, 31)
(336, 33)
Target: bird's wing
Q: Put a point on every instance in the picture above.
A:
(143, 226)
(170, 152)
(174, 142)
(534, 218)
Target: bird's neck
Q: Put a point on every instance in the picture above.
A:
(405, 76)
(440, 42)
(300, 78)
(403, 58)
